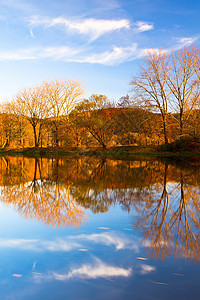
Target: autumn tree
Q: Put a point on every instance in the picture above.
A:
(133, 124)
(193, 124)
(62, 97)
(71, 131)
(8, 126)
(95, 116)
(14, 127)
(31, 104)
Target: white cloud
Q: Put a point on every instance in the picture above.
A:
(143, 26)
(22, 244)
(23, 6)
(59, 245)
(159, 244)
(156, 51)
(31, 33)
(185, 41)
(97, 269)
(39, 245)
(180, 43)
(21, 54)
(57, 53)
(146, 269)
(93, 28)
(114, 57)
(120, 241)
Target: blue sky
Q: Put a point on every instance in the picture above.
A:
(98, 42)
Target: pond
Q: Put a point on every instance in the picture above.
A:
(92, 228)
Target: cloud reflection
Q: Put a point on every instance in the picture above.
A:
(99, 270)
(119, 241)
(95, 270)
(39, 245)
(146, 269)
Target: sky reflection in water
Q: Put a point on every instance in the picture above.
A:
(103, 229)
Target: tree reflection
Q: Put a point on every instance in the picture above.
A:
(41, 197)
(170, 219)
(165, 198)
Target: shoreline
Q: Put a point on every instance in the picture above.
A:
(112, 152)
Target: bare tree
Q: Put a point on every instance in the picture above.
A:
(183, 82)
(31, 104)
(62, 97)
(150, 87)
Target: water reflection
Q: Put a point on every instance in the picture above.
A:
(170, 218)
(34, 188)
(164, 198)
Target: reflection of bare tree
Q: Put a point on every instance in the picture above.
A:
(171, 219)
(114, 182)
(44, 199)
(165, 198)
(187, 220)
(96, 199)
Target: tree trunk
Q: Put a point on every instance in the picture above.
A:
(101, 142)
(164, 129)
(35, 136)
(181, 123)
(56, 135)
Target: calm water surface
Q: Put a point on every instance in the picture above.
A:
(99, 229)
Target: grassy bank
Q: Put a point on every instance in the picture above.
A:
(174, 149)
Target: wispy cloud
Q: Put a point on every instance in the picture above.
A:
(22, 244)
(64, 245)
(20, 5)
(160, 244)
(143, 26)
(65, 53)
(57, 53)
(97, 269)
(155, 51)
(120, 241)
(179, 44)
(113, 57)
(31, 32)
(21, 54)
(93, 28)
(146, 269)
(185, 41)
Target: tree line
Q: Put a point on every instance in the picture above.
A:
(162, 106)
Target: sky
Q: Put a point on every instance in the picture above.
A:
(97, 42)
